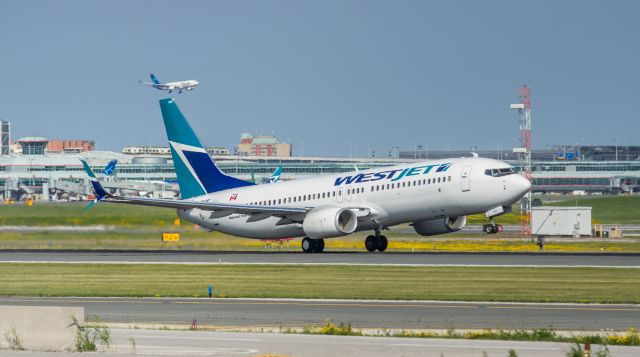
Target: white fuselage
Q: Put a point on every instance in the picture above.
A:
(171, 86)
(386, 196)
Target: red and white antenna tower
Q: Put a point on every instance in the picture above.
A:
(524, 110)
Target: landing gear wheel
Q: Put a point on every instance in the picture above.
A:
(312, 245)
(492, 228)
(488, 228)
(382, 243)
(307, 245)
(318, 245)
(371, 243)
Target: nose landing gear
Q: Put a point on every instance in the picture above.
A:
(492, 228)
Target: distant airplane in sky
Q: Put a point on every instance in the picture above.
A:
(171, 86)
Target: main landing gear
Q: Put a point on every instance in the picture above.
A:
(376, 242)
(312, 245)
(492, 228)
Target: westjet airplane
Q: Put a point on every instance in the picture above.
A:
(434, 196)
(171, 86)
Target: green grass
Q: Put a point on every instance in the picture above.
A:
(605, 285)
(608, 209)
(67, 214)
(194, 239)
(630, 338)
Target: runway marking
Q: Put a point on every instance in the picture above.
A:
(349, 303)
(113, 262)
(563, 308)
(355, 304)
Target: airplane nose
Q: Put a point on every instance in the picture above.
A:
(521, 184)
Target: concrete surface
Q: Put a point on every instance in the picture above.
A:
(362, 314)
(388, 258)
(39, 328)
(186, 343)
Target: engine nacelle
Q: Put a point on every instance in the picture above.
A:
(432, 227)
(329, 221)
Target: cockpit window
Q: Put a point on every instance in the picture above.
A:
(499, 172)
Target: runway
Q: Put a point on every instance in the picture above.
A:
(133, 342)
(387, 258)
(361, 314)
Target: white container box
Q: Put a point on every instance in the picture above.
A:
(561, 221)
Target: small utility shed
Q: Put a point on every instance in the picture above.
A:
(561, 221)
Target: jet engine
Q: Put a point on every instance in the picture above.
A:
(329, 221)
(435, 226)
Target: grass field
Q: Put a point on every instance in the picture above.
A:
(604, 285)
(192, 239)
(70, 214)
(131, 227)
(608, 209)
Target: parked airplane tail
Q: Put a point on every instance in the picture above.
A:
(197, 172)
(97, 187)
(154, 79)
(275, 177)
(110, 168)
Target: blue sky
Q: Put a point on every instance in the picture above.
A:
(327, 75)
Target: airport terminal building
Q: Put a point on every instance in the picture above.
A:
(53, 176)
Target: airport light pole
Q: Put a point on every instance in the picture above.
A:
(524, 111)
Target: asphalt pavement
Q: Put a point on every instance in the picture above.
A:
(132, 342)
(389, 258)
(256, 313)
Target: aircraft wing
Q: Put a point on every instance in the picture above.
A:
(218, 210)
(207, 206)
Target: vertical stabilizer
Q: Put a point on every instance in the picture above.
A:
(196, 170)
(154, 79)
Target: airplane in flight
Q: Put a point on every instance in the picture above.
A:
(433, 196)
(171, 86)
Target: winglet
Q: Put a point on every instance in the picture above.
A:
(97, 187)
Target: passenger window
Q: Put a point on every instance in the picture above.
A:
(334, 193)
(449, 179)
(279, 201)
(371, 188)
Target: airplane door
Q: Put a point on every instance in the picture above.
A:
(339, 195)
(347, 195)
(465, 177)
